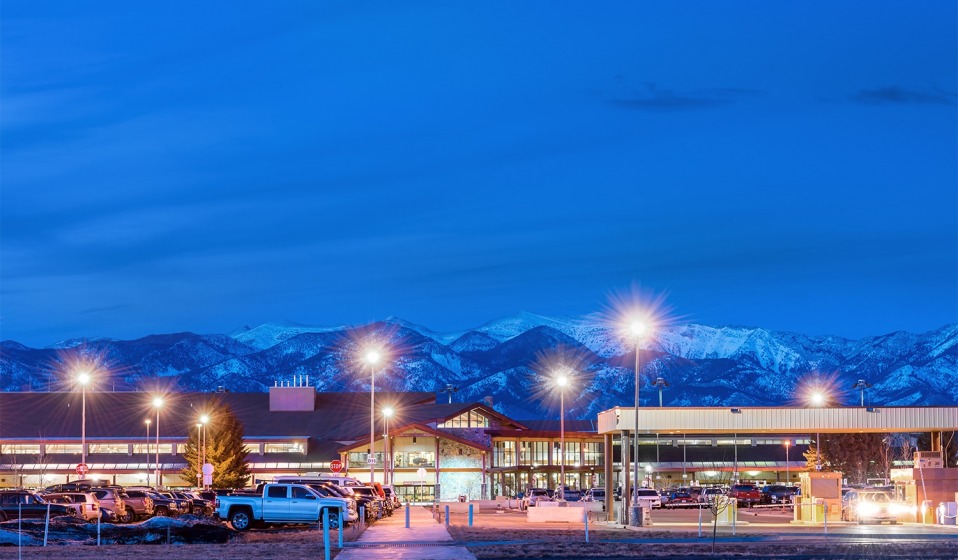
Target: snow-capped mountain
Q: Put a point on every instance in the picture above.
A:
(509, 360)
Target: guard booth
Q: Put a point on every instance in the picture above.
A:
(925, 487)
(821, 499)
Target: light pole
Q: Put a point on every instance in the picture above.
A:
(387, 459)
(862, 385)
(199, 460)
(372, 358)
(818, 399)
(147, 422)
(158, 403)
(562, 381)
(83, 378)
(204, 419)
(661, 383)
(788, 443)
(638, 329)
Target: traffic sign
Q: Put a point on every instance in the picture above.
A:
(82, 469)
(336, 465)
(371, 460)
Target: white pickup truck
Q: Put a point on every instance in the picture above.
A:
(282, 503)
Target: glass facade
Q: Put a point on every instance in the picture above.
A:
(115, 448)
(19, 449)
(72, 448)
(592, 453)
(471, 419)
(505, 454)
(165, 448)
(284, 447)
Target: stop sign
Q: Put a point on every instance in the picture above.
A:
(335, 465)
(82, 469)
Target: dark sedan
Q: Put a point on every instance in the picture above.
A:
(27, 504)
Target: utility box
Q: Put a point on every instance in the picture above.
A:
(726, 510)
(821, 496)
(645, 516)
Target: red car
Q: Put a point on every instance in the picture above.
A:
(681, 498)
(746, 494)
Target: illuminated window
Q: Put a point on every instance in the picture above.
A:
(252, 448)
(74, 448)
(19, 449)
(139, 448)
(114, 448)
(505, 455)
(593, 453)
(283, 448)
(471, 419)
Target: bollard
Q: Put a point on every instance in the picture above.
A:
(407, 515)
(700, 522)
(46, 526)
(585, 514)
(470, 515)
(362, 515)
(167, 534)
(447, 516)
(825, 509)
(342, 524)
(98, 529)
(326, 532)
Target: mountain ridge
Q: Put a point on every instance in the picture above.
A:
(509, 360)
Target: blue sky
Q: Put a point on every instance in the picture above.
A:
(184, 166)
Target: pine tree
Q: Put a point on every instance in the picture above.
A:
(224, 448)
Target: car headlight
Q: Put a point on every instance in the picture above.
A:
(867, 508)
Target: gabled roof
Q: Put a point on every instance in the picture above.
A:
(417, 428)
(432, 414)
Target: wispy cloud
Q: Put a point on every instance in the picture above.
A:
(894, 95)
(653, 98)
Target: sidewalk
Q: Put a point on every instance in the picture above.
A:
(389, 539)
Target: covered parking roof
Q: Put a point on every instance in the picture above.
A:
(779, 420)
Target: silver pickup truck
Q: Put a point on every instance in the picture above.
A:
(282, 503)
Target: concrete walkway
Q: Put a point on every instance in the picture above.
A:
(389, 539)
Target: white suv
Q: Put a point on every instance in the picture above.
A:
(648, 497)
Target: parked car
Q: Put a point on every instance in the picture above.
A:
(163, 506)
(680, 498)
(647, 497)
(708, 495)
(86, 505)
(198, 504)
(536, 495)
(871, 506)
(379, 507)
(745, 494)
(111, 499)
(279, 503)
(594, 495)
(139, 504)
(569, 495)
(27, 504)
(777, 494)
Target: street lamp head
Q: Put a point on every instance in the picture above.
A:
(818, 398)
(387, 412)
(83, 378)
(373, 357)
(638, 328)
(204, 419)
(788, 443)
(198, 425)
(562, 381)
(157, 402)
(147, 421)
